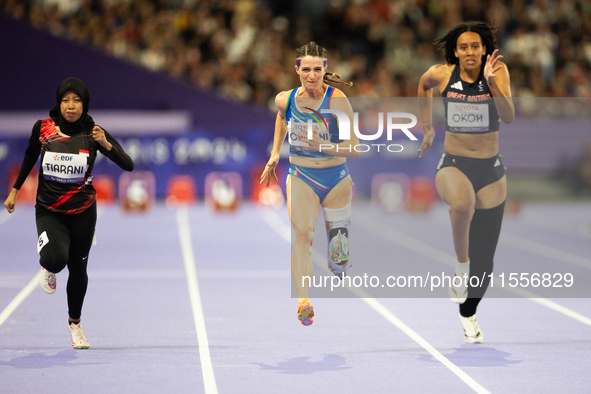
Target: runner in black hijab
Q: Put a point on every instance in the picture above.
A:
(65, 209)
(85, 122)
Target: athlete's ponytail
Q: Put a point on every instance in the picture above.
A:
(312, 49)
(330, 77)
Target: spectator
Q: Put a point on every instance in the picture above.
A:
(548, 44)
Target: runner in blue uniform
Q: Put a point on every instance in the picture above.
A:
(471, 176)
(318, 172)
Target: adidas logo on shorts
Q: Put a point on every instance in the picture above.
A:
(497, 163)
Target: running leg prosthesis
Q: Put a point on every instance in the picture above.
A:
(485, 229)
(337, 231)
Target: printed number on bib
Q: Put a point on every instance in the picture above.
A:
(467, 117)
(65, 167)
(42, 241)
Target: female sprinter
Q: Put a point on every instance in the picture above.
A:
(470, 176)
(65, 211)
(318, 169)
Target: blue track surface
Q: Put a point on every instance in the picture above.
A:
(139, 318)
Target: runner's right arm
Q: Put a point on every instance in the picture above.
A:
(31, 156)
(280, 133)
(430, 79)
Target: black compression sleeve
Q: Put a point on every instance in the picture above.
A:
(116, 154)
(31, 156)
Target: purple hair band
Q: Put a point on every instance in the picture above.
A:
(299, 63)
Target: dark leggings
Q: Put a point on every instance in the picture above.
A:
(485, 229)
(69, 240)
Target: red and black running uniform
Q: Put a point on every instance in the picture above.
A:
(65, 212)
(65, 180)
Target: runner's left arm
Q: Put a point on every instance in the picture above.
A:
(116, 152)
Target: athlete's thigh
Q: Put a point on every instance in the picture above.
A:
(303, 203)
(492, 195)
(340, 195)
(54, 237)
(82, 230)
(454, 187)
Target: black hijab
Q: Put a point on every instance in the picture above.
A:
(85, 122)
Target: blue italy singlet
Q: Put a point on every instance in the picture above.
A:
(297, 125)
(469, 107)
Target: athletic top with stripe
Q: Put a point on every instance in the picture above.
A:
(65, 181)
(297, 125)
(469, 107)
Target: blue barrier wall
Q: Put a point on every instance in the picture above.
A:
(198, 152)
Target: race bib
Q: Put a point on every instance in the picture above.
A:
(42, 241)
(467, 117)
(297, 132)
(65, 167)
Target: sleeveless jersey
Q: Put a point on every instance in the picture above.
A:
(469, 107)
(297, 125)
(66, 163)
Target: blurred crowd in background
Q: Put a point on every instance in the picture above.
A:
(245, 49)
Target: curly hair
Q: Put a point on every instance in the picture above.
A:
(449, 42)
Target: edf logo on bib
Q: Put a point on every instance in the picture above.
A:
(62, 158)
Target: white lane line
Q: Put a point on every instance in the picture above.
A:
(545, 251)
(29, 287)
(191, 272)
(561, 309)
(536, 248)
(143, 274)
(20, 297)
(100, 210)
(284, 230)
(424, 249)
(545, 302)
(382, 310)
(552, 224)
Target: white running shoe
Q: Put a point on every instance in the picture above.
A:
(472, 331)
(458, 294)
(48, 281)
(78, 339)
